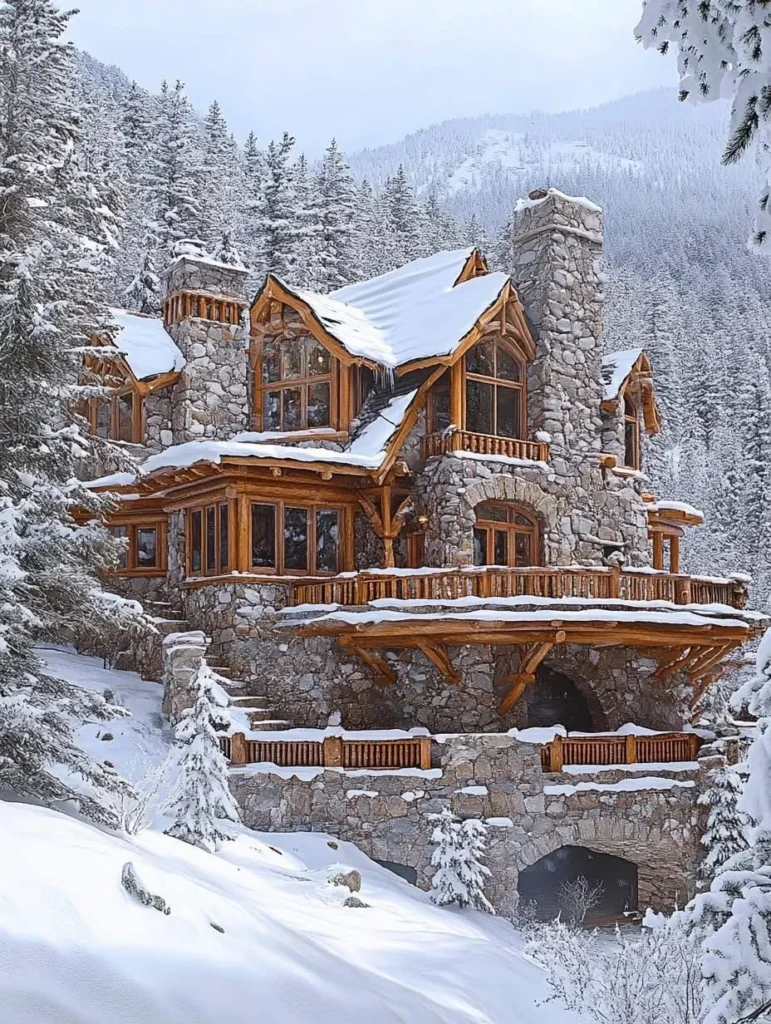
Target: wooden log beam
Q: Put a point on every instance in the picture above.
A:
(530, 659)
(439, 656)
(384, 674)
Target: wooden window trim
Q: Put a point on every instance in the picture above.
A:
(161, 547)
(338, 378)
(137, 414)
(511, 528)
(459, 379)
(633, 419)
(217, 503)
(312, 540)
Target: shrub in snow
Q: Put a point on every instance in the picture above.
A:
(579, 897)
(727, 826)
(203, 798)
(130, 881)
(135, 809)
(650, 978)
(460, 850)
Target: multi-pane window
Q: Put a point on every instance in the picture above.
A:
(144, 550)
(296, 385)
(439, 406)
(505, 535)
(209, 539)
(495, 390)
(631, 435)
(114, 417)
(291, 539)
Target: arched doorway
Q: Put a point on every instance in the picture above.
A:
(554, 699)
(552, 885)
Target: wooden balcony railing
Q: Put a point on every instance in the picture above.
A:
(662, 748)
(331, 752)
(483, 444)
(593, 583)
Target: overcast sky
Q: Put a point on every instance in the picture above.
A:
(369, 71)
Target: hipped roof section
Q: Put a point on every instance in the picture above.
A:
(422, 312)
(620, 370)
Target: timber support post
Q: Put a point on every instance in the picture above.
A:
(238, 754)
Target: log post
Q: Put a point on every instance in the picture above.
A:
(615, 581)
(332, 753)
(557, 754)
(694, 743)
(238, 754)
(425, 752)
(683, 590)
(631, 750)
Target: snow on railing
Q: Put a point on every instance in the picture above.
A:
(331, 752)
(482, 444)
(589, 583)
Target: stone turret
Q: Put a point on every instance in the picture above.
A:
(557, 249)
(203, 308)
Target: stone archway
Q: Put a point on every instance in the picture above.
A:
(547, 884)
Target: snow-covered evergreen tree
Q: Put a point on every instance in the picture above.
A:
(203, 798)
(221, 175)
(460, 850)
(276, 222)
(403, 219)
(144, 291)
(175, 170)
(335, 215)
(727, 826)
(55, 231)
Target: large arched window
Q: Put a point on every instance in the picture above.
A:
(296, 385)
(495, 390)
(505, 534)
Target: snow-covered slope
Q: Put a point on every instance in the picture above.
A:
(256, 932)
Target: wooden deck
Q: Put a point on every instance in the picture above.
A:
(592, 583)
(450, 441)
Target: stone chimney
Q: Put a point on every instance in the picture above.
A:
(204, 302)
(557, 248)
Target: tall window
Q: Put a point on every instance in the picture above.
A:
(295, 539)
(631, 435)
(209, 539)
(495, 390)
(439, 406)
(296, 384)
(505, 535)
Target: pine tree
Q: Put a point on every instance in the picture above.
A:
(276, 222)
(54, 232)
(335, 215)
(226, 252)
(204, 797)
(460, 874)
(727, 826)
(144, 292)
(306, 270)
(174, 170)
(249, 226)
(221, 175)
(403, 220)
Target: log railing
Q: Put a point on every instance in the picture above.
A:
(660, 748)
(331, 752)
(592, 583)
(482, 444)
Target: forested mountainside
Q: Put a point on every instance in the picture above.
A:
(681, 282)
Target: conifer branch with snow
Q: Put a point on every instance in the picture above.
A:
(460, 850)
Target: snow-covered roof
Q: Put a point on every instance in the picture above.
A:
(146, 346)
(374, 437)
(616, 367)
(679, 509)
(414, 312)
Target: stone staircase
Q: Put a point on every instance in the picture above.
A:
(259, 714)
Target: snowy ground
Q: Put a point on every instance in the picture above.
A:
(76, 949)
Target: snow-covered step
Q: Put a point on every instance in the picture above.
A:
(270, 724)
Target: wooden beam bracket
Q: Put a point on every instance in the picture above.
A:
(437, 653)
(531, 657)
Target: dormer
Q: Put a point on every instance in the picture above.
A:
(628, 407)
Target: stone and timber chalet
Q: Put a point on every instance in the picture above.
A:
(411, 520)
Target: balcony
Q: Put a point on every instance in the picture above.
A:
(594, 583)
(449, 441)
(659, 748)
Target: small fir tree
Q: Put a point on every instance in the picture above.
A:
(144, 292)
(226, 251)
(204, 798)
(727, 826)
(460, 850)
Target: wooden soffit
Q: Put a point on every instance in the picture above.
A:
(118, 362)
(640, 376)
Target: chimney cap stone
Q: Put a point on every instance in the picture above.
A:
(538, 193)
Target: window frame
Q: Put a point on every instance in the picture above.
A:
(303, 384)
(511, 528)
(666, 548)
(216, 505)
(133, 527)
(113, 401)
(496, 382)
(632, 419)
(311, 511)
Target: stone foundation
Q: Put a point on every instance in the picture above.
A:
(387, 815)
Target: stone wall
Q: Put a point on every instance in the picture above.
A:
(387, 815)
(158, 420)
(211, 398)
